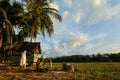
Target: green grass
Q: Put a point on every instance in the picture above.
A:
(102, 69)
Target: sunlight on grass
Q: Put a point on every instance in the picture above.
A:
(103, 69)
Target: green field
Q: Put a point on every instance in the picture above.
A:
(109, 69)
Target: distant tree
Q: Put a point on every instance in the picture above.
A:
(114, 57)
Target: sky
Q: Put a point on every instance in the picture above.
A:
(88, 27)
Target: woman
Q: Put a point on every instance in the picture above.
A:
(23, 60)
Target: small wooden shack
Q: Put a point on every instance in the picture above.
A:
(32, 48)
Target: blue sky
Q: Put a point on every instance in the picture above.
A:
(88, 27)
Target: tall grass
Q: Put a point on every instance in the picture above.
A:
(103, 69)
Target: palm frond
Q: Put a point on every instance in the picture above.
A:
(8, 22)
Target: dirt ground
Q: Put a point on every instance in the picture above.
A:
(15, 73)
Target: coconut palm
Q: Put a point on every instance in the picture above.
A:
(38, 18)
(34, 19)
(9, 17)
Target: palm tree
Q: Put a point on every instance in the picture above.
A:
(37, 18)
(9, 17)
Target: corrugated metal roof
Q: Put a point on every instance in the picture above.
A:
(29, 46)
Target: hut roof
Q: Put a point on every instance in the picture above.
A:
(29, 46)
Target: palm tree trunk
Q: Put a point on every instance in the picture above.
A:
(1, 38)
(11, 44)
(1, 35)
(31, 37)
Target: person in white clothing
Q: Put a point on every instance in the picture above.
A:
(23, 60)
(43, 56)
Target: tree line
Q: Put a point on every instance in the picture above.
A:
(108, 57)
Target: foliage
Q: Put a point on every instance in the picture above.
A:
(37, 18)
(9, 18)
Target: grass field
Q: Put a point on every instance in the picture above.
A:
(83, 71)
(103, 69)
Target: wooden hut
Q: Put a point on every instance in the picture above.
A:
(32, 48)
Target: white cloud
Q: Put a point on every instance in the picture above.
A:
(78, 17)
(98, 36)
(96, 41)
(68, 3)
(76, 40)
(72, 41)
(93, 11)
(64, 45)
(94, 45)
(65, 14)
(102, 11)
(105, 12)
(55, 50)
(101, 50)
(97, 2)
(45, 46)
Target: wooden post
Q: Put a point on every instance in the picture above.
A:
(35, 58)
(50, 62)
